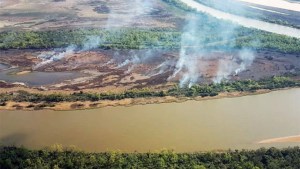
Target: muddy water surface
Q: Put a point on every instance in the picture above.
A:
(3, 66)
(234, 123)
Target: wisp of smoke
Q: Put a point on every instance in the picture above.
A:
(92, 42)
(190, 52)
(234, 66)
(224, 70)
(132, 10)
(167, 65)
(49, 57)
(135, 59)
(247, 57)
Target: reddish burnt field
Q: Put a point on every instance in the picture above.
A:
(125, 69)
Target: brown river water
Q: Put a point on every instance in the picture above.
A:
(220, 124)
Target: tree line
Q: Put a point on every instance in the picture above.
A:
(272, 158)
(137, 38)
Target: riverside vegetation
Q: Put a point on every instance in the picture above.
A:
(13, 157)
(203, 90)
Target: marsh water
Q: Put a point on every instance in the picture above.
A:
(230, 123)
(3, 66)
(35, 78)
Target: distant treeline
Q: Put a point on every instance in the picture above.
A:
(203, 90)
(12, 157)
(138, 38)
(212, 33)
(121, 38)
(180, 5)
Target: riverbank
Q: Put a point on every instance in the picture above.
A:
(243, 21)
(67, 106)
(25, 100)
(281, 4)
(290, 139)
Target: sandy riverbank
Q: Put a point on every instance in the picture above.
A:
(282, 4)
(290, 139)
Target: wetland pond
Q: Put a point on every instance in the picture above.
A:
(220, 124)
(35, 78)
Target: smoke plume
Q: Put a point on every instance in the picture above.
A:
(91, 42)
(190, 52)
(191, 66)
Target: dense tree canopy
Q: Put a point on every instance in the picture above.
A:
(133, 38)
(12, 157)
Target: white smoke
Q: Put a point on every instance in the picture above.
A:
(91, 42)
(234, 66)
(52, 56)
(190, 52)
(163, 67)
(135, 59)
(224, 70)
(191, 64)
(247, 57)
(133, 9)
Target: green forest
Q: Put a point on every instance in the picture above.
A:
(272, 158)
(134, 38)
